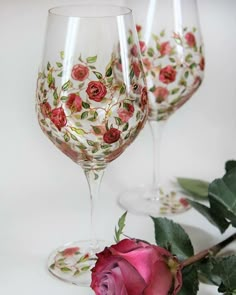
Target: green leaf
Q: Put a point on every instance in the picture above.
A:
(97, 130)
(64, 98)
(193, 65)
(190, 281)
(84, 115)
(85, 105)
(59, 64)
(109, 72)
(55, 94)
(85, 268)
(74, 137)
(66, 137)
(65, 269)
(126, 127)
(172, 59)
(174, 91)
(78, 131)
(162, 34)
(205, 273)
(62, 54)
(216, 219)
(123, 89)
(172, 237)
(150, 52)
(229, 165)
(98, 75)
(118, 121)
(195, 187)
(91, 59)
(60, 74)
(186, 74)
(48, 66)
(91, 143)
(121, 226)
(66, 85)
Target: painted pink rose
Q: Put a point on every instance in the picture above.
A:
(70, 251)
(190, 39)
(161, 94)
(136, 267)
(136, 69)
(165, 48)
(142, 46)
(134, 50)
(167, 75)
(96, 91)
(147, 64)
(112, 135)
(126, 114)
(74, 103)
(144, 98)
(58, 118)
(202, 63)
(45, 109)
(80, 72)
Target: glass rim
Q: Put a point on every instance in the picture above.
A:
(55, 11)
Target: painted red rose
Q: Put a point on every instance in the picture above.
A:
(70, 251)
(147, 64)
(167, 75)
(144, 98)
(96, 91)
(45, 109)
(202, 63)
(138, 28)
(136, 69)
(165, 48)
(142, 46)
(74, 103)
(58, 117)
(134, 50)
(126, 113)
(80, 72)
(190, 39)
(161, 94)
(135, 267)
(112, 135)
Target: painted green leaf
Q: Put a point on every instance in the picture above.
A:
(91, 59)
(91, 143)
(64, 98)
(98, 75)
(174, 91)
(74, 137)
(123, 89)
(66, 137)
(138, 115)
(84, 115)
(186, 74)
(109, 72)
(126, 127)
(118, 121)
(119, 229)
(59, 64)
(82, 147)
(194, 187)
(171, 236)
(162, 34)
(105, 146)
(62, 54)
(188, 57)
(78, 130)
(85, 268)
(97, 130)
(190, 281)
(152, 89)
(172, 59)
(130, 40)
(60, 74)
(55, 94)
(66, 85)
(193, 65)
(150, 52)
(92, 67)
(131, 74)
(65, 269)
(85, 105)
(48, 66)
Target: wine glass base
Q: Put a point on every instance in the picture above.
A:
(72, 263)
(142, 201)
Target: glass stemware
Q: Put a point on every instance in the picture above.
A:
(91, 104)
(172, 50)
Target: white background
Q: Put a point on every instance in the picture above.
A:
(44, 196)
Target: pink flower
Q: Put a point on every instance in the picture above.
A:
(161, 93)
(58, 117)
(136, 69)
(165, 48)
(79, 72)
(112, 135)
(167, 75)
(147, 64)
(142, 46)
(74, 103)
(126, 114)
(70, 251)
(135, 267)
(96, 91)
(190, 39)
(144, 98)
(134, 50)
(45, 109)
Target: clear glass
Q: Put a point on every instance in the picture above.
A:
(91, 104)
(172, 50)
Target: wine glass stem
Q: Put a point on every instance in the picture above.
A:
(94, 178)
(156, 131)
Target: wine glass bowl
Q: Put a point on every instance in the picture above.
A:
(88, 106)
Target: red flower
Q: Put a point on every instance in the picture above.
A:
(58, 117)
(112, 135)
(142, 46)
(96, 90)
(45, 109)
(202, 63)
(135, 267)
(147, 64)
(165, 48)
(190, 39)
(167, 75)
(161, 94)
(70, 251)
(74, 103)
(144, 98)
(134, 50)
(79, 72)
(136, 69)
(138, 28)
(126, 114)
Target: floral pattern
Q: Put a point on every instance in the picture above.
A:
(174, 65)
(90, 114)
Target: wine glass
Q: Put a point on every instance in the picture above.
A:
(172, 50)
(90, 104)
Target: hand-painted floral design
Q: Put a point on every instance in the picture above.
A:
(174, 65)
(90, 114)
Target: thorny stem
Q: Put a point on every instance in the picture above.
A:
(209, 252)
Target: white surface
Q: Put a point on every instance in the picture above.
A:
(44, 196)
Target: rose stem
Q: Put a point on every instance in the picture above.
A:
(211, 251)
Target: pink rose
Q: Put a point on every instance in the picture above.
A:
(96, 91)
(126, 114)
(58, 117)
(112, 135)
(161, 94)
(74, 103)
(142, 46)
(165, 48)
(70, 251)
(136, 69)
(147, 64)
(136, 267)
(190, 39)
(134, 50)
(79, 72)
(167, 75)
(45, 109)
